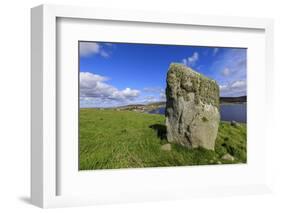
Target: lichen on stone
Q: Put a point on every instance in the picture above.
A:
(188, 80)
(192, 108)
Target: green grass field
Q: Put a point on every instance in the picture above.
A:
(111, 139)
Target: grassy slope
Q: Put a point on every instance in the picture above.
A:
(122, 139)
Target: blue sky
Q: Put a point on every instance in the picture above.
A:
(114, 74)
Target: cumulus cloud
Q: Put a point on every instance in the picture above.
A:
(226, 72)
(235, 88)
(104, 54)
(92, 48)
(215, 51)
(150, 99)
(88, 48)
(153, 89)
(94, 87)
(108, 44)
(154, 94)
(230, 71)
(162, 96)
(238, 84)
(192, 60)
(233, 62)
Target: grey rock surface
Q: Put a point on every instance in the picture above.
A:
(192, 108)
(234, 123)
(227, 156)
(166, 147)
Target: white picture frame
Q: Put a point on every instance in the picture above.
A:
(44, 149)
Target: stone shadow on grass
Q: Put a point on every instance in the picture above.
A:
(160, 129)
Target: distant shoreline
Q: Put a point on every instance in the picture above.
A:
(155, 105)
(240, 99)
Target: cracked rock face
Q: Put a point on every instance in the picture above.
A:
(192, 108)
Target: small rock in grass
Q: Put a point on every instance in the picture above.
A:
(166, 147)
(227, 157)
(124, 130)
(234, 123)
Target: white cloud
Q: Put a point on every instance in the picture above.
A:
(215, 51)
(226, 72)
(94, 87)
(128, 93)
(104, 54)
(230, 71)
(153, 98)
(184, 61)
(192, 60)
(153, 94)
(92, 48)
(238, 84)
(150, 99)
(153, 89)
(88, 48)
(230, 62)
(223, 87)
(235, 88)
(162, 96)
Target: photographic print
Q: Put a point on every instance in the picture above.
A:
(155, 105)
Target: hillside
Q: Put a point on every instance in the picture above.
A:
(141, 107)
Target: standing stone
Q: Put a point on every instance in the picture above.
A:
(192, 108)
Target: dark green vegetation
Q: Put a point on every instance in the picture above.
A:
(240, 99)
(111, 139)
